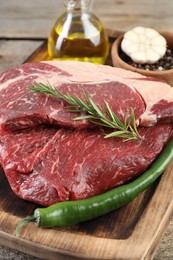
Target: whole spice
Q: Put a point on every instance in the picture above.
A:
(165, 63)
(72, 212)
(144, 45)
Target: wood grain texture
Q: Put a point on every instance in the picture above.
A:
(138, 226)
(132, 232)
(34, 19)
(13, 53)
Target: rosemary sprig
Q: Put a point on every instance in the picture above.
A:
(102, 116)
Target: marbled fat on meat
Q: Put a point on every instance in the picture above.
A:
(63, 164)
(49, 157)
(152, 100)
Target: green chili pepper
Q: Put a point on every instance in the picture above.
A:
(68, 213)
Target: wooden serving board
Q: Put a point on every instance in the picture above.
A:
(132, 232)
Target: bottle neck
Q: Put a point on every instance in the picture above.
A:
(77, 5)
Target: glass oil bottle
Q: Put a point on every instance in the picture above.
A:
(78, 35)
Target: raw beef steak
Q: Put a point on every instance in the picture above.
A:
(47, 165)
(19, 149)
(151, 99)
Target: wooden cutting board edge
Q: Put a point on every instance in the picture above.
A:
(142, 243)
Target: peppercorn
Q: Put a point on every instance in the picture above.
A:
(165, 63)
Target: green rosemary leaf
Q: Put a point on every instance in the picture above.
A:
(103, 115)
(116, 134)
(79, 103)
(97, 122)
(118, 122)
(112, 115)
(114, 118)
(126, 121)
(95, 108)
(108, 123)
(82, 117)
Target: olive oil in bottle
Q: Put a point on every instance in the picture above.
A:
(78, 35)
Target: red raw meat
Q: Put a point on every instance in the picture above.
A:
(47, 165)
(151, 99)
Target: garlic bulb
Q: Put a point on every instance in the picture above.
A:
(144, 45)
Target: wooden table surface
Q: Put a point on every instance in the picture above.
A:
(25, 24)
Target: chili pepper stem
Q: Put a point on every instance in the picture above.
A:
(72, 212)
(23, 222)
